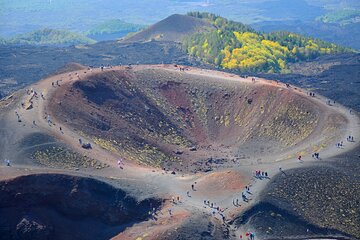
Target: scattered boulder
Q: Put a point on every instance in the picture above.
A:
(178, 152)
(193, 149)
(29, 228)
(86, 146)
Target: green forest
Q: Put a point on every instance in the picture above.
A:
(233, 45)
(114, 26)
(48, 36)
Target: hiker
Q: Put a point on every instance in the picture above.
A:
(299, 158)
(188, 194)
(244, 197)
(80, 141)
(170, 212)
(60, 129)
(192, 187)
(266, 174)
(7, 161)
(119, 164)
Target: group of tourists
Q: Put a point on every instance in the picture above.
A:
(175, 200)
(18, 116)
(316, 155)
(350, 138)
(261, 174)
(153, 214)
(215, 209)
(236, 202)
(339, 144)
(121, 163)
(56, 83)
(249, 236)
(244, 197)
(48, 118)
(210, 204)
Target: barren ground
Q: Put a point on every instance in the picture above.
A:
(152, 117)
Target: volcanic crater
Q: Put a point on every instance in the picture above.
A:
(193, 120)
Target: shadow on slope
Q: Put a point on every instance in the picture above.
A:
(53, 206)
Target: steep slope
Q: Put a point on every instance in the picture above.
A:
(55, 206)
(163, 117)
(173, 28)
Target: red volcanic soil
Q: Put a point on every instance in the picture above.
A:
(220, 126)
(188, 121)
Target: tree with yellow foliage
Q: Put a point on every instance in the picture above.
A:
(234, 45)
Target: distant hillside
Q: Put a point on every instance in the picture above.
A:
(343, 16)
(233, 45)
(2, 40)
(173, 28)
(48, 36)
(344, 35)
(113, 26)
